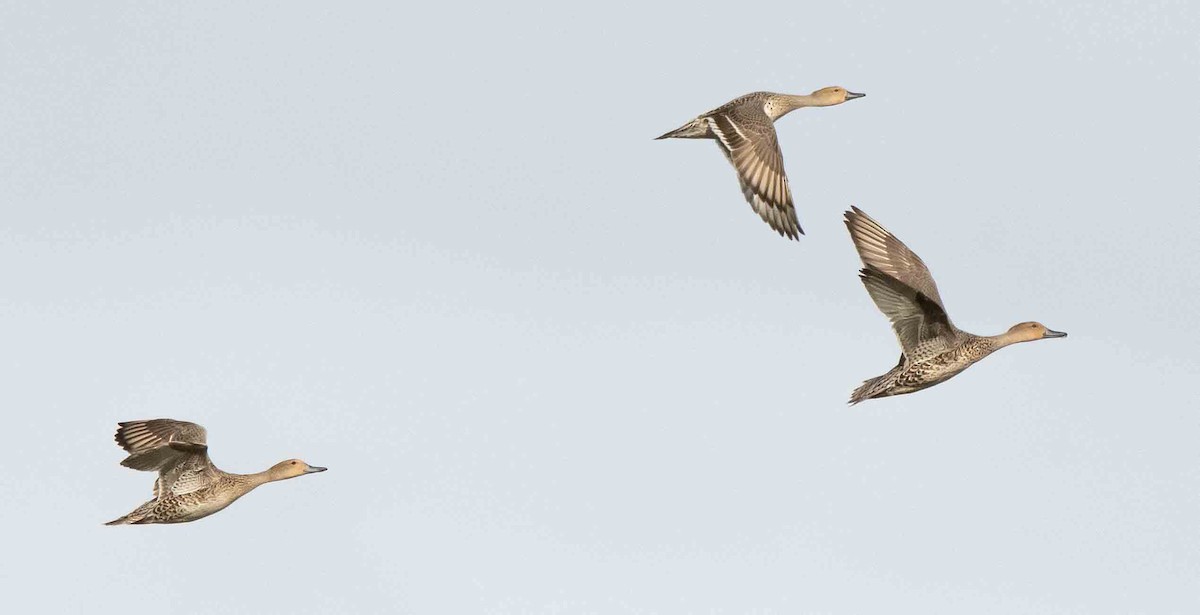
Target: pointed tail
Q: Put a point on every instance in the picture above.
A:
(695, 129)
(866, 390)
(137, 516)
(879, 386)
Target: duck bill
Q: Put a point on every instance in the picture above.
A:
(1049, 334)
(853, 95)
(314, 469)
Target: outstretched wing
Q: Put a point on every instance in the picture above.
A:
(751, 146)
(921, 325)
(885, 253)
(177, 450)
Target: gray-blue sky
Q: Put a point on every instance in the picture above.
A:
(555, 366)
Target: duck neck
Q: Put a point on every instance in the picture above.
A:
(256, 479)
(1004, 339)
(780, 105)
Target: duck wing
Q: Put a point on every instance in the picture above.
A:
(884, 252)
(746, 135)
(920, 323)
(177, 450)
(902, 288)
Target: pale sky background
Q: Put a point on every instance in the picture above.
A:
(555, 366)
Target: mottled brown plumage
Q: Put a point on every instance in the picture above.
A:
(744, 129)
(189, 486)
(933, 350)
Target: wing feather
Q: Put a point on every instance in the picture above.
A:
(920, 324)
(177, 450)
(752, 147)
(884, 252)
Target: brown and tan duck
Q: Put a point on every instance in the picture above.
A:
(933, 349)
(744, 129)
(189, 486)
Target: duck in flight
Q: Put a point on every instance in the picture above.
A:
(189, 486)
(933, 349)
(744, 129)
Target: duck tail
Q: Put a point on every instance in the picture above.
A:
(866, 390)
(879, 386)
(695, 129)
(138, 515)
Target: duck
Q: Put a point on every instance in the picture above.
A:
(189, 486)
(744, 129)
(933, 350)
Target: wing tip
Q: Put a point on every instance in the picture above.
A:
(854, 217)
(791, 233)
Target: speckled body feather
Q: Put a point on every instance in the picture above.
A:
(744, 129)
(933, 349)
(189, 486)
(190, 506)
(912, 376)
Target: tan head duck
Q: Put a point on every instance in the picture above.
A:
(189, 486)
(744, 129)
(933, 349)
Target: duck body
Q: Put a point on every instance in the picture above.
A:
(933, 350)
(224, 490)
(189, 486)
(744, 129)
(910, 377)
(749, 110)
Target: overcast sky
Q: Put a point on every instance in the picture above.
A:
(555, 366)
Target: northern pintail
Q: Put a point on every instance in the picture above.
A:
(744, 129)
(933, 349)
(189, 486)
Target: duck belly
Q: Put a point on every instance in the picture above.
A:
(191, 506)
(924, 375)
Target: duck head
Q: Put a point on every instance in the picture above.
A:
(291, 469)
(833, 95)
(1030, 331)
